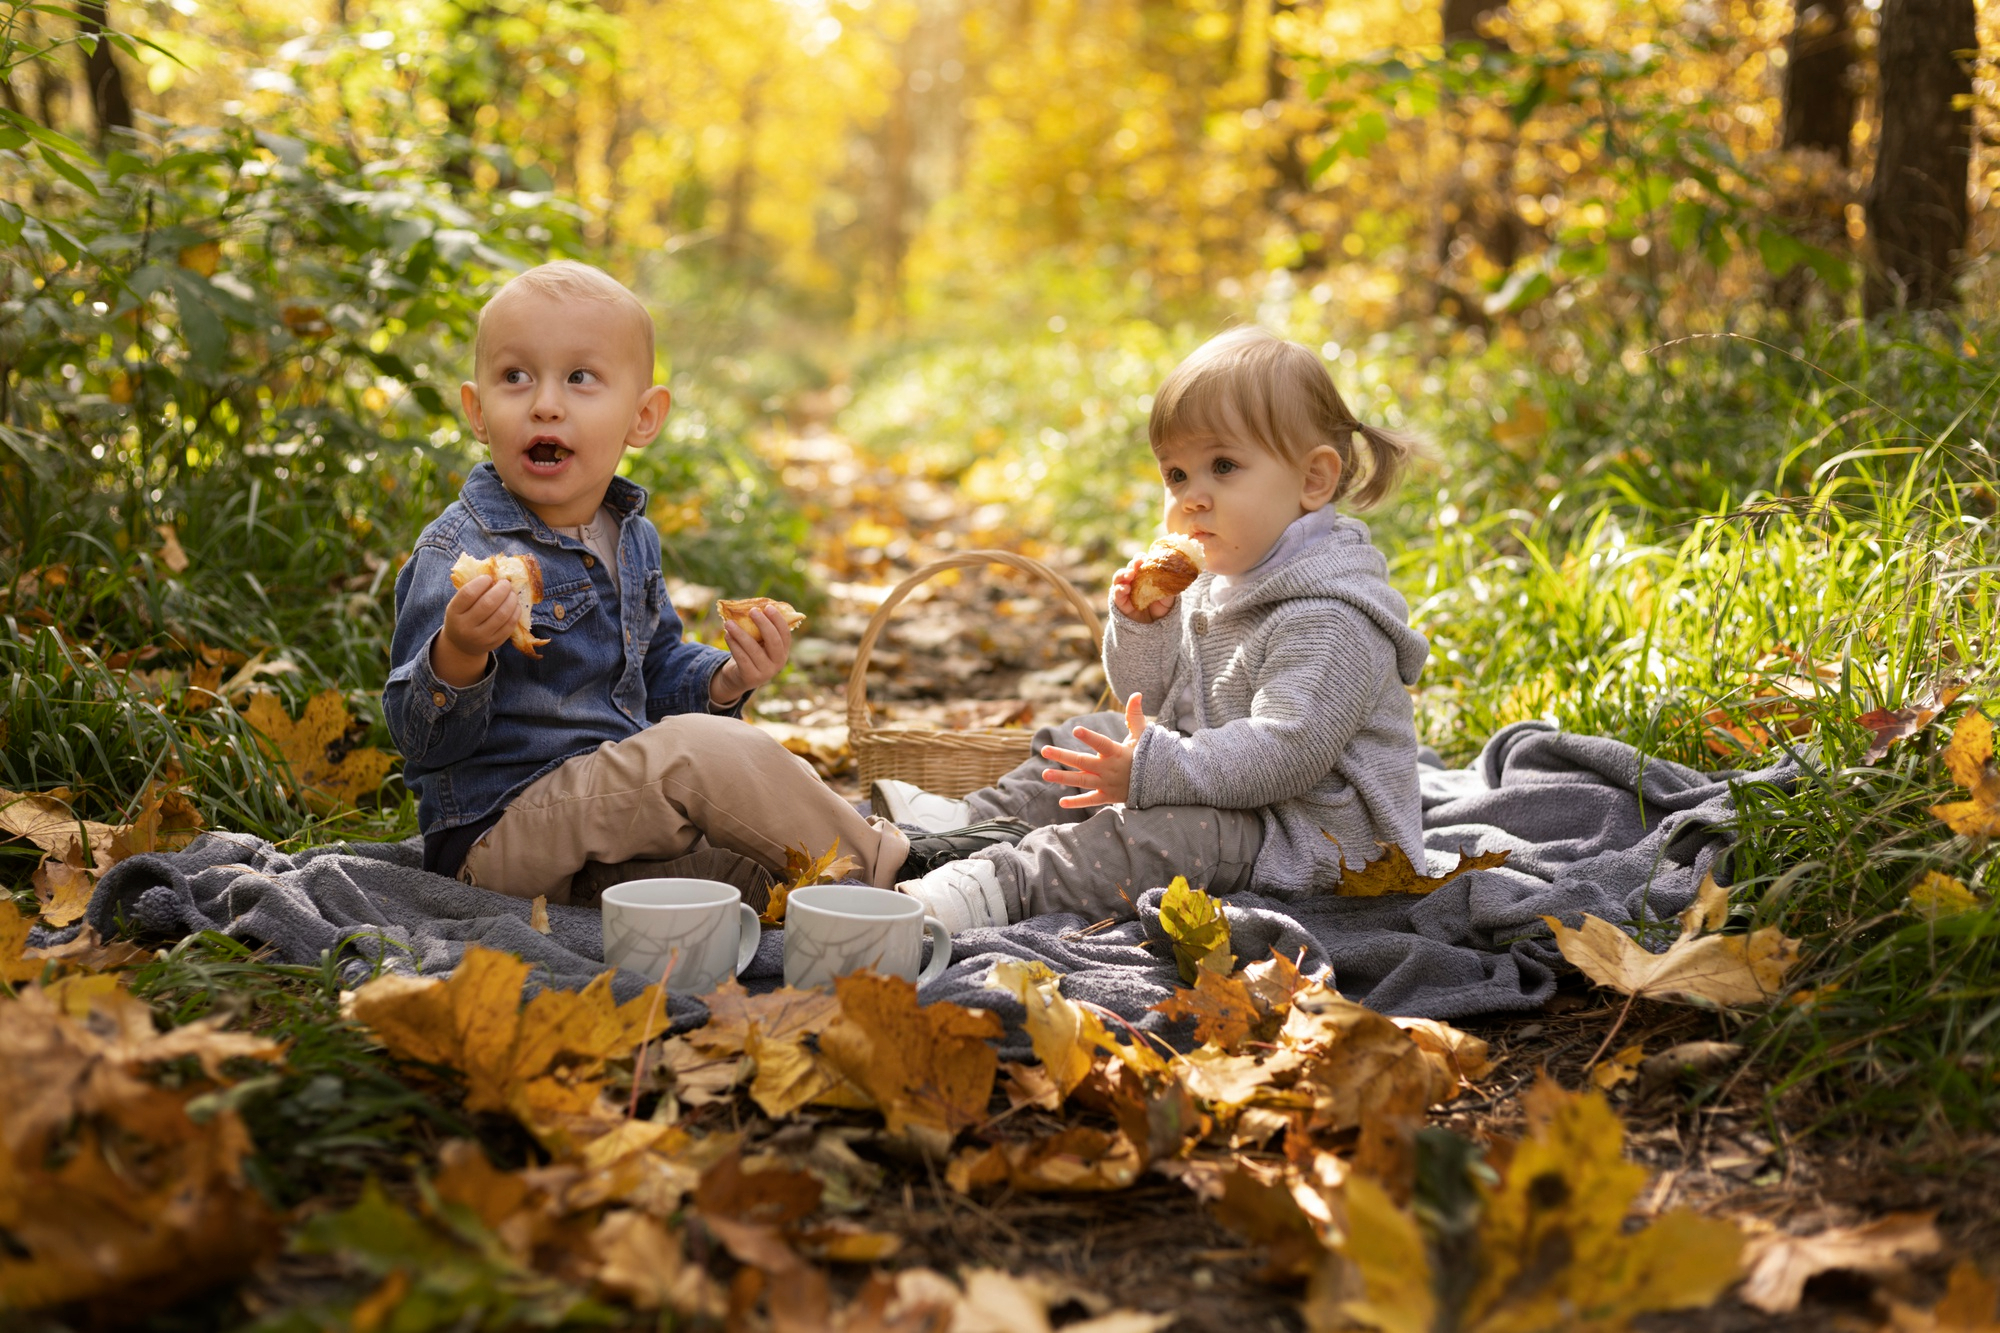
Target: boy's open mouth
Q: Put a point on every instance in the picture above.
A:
(547, 453)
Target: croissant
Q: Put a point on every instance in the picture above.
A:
(739, 610)
(525, 576)
(1171, 564)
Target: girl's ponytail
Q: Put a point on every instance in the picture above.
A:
(1389, 451)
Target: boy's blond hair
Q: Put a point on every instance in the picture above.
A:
(566, 279)
(1249, 384)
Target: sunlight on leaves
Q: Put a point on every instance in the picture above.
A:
(1198, 929)
(1969, 760)
(1733, 971)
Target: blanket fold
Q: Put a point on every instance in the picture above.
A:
(1591, 826)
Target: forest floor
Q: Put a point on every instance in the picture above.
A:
(982, 648)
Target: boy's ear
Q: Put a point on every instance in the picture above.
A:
(652, 415)
(468, 398)
(1321, 479)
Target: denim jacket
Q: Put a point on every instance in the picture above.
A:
(615, 661)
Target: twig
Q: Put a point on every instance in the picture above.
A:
(639, 1068)
(1602, 1045)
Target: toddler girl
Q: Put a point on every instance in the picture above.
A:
(1284, 742)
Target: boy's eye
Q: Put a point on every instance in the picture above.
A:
(1175, 476)
(1224, 466)
(581, 376)
(514, 377)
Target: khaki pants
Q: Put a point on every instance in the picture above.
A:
(684, 781)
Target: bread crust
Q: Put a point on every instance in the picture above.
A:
(738, 609)
(521, 572)
(1170, 565)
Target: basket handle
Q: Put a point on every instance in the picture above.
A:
(857, 679)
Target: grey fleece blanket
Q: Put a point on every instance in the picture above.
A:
(1592, 826)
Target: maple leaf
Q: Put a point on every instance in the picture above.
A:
(1199, 930)
(1064, 1034)
(646, 1264)
(14, 927)
(110, 1193)
(63, 887)
(1555, 1252)
(1386, 1281)
(1392, 872)
(45, 819)
(1969, 760)
(1458, 1058)
(929, 1067)
(1778, 1266)
(1225, 1013)
(784, 1014)
(1890, 725)
(1621, 1068)
(1073, 1160)
(1937, 895)
(1727, 970)
(543, 1063)
(1970, 1304)
(326, 779)
(801, 869)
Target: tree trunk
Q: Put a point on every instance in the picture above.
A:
(1819, 83)
(1461, 20)
(1916, 204)
(108, 98)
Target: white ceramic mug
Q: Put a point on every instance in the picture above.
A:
(707, 927)
(834, 929)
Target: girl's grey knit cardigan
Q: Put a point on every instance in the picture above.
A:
(1288, 698)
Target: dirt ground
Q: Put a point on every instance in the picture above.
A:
(994, 647)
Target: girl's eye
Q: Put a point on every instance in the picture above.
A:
(1224, 466)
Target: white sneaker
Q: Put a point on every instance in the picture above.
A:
(907, 803)
(965, 895)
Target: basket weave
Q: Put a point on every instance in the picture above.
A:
(950, 763)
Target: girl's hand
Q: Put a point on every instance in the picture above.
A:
(479, 618)
(1121, 596)
(1105, 776)
(751, 662)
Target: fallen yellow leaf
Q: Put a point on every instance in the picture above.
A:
(1392, 873)
(929, 1067)
(1728, 970)
(1937, 895)
(1620, 1068)
(1971, 1304)
(1779, 1265)
(1074, 1160)
(1199, 930)
(1969, 760)
(326, 778)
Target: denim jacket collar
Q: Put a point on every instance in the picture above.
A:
(498, 510)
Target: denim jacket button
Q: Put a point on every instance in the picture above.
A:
(590, 562)
(559, 611)
(437, 697)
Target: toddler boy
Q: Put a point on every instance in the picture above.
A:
(622, 741)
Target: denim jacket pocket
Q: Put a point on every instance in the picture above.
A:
(563, 607)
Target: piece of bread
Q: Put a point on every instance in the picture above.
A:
(1171, 564)
(524, 574)
(739, 610)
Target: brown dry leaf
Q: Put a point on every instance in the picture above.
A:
(700, 1077)
(784, 1014)
(543, 1063)
(768, 1195)
(1552, 1239)
(86, 953)
(1969, 760)
(1971, 1304)
(1074, 1160)
(1285, 1215)
(929, 1067)
(646, 1264)
(538, 914)
(1779, 1265)
(844, 1242)
(1727, 970)
(63, 887)
(1458, 1056)
(110, 1195)
(1273, 983)
(1224, 1012)
(1064, 1034)
(1029, 1085)
(1392, 873)
(167, 821)
(171, 553)
(204, 687)
(997, 1302)
(803, 868)
(46, 820)
(1894, 724)
(307, 746)
(15, 965)
(1357, 1064)
(1620, 1068)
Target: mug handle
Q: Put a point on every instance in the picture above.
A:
(940, 950)
(747, 935)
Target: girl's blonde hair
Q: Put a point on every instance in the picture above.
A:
(1249, 384)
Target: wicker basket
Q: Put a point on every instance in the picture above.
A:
(950, 763)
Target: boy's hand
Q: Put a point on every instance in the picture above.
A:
(479, 618)
(751, 663)
(1121, 596)
(1105, 776)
